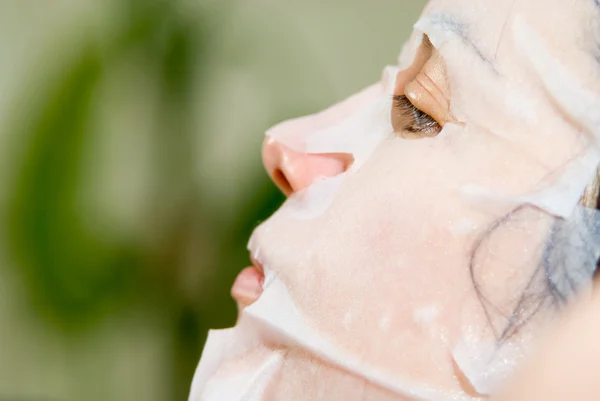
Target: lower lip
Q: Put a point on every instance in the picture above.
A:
(248, 286)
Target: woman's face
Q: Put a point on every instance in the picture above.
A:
(410, 260)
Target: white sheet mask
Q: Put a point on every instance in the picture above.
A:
(362, 126)
(488, 354)
(479, 222)
(314, 200)
(511, 106)
(276, 318)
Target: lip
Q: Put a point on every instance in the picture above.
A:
(248, 285)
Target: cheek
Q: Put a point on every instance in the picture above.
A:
(381, 286)
(385, 271)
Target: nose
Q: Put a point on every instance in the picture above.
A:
(293, 171)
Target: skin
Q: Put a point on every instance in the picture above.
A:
(394, 270)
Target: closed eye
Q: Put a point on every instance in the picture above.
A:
(408, 118)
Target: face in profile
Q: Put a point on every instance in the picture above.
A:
(432, 225)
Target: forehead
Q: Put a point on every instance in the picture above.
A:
(550, 45)
(568, 27)
(488, 18)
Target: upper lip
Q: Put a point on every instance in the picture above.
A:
(256, 262)
(254, 250)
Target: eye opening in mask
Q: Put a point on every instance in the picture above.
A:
(421, 105)
(410, 122)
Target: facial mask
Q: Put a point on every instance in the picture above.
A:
(273, 333)
(524, 107)
(431, 262)
(363, 125)
(275, 317)
(487, 355)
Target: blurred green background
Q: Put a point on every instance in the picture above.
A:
(130, 176)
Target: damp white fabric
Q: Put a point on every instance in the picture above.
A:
(568, 262)
(514, 102)
(486, 364)
(356, 133)
(275, 319)
(312, 202)
(480, 221)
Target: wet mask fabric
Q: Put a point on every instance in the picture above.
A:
(425, 271)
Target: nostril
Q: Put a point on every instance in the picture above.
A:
(294, 171)
(282, 182)
(297, 171)
(346, 158)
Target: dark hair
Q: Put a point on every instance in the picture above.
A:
(569, 259)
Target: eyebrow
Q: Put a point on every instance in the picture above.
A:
(447, 23)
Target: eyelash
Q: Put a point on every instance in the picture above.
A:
(415, 120)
